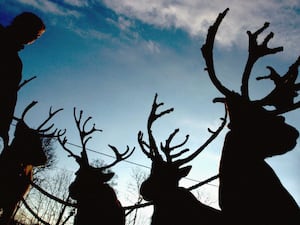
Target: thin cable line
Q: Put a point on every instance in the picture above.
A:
(130, 162)
(133, 163)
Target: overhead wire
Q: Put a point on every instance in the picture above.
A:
(134, 163)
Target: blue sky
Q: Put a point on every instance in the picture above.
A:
(109, 58)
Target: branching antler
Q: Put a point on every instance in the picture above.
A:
(119, 156)
(151, 149)
(50, 116)
(214, 134)
(41, 131)
(166, 149)
(282, 97)
(85, 136)
(63, 143)
(256, 51)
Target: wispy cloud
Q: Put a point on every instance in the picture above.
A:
(48, 6)
(152, 46)
(192, 16)
(196, 16)
(77, 3)
(90, 33)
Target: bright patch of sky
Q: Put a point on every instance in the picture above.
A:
(109, 58)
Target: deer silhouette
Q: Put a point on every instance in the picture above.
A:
(17, 161)
(250, 192)
(97, 202)
(173, 204)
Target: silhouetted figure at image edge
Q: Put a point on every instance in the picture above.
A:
(250, 191)
(24, 29)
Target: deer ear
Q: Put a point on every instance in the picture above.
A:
(183, 172)
(107, 176)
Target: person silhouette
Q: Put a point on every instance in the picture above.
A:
(24, 29)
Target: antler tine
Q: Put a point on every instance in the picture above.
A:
(144, 145)
(208, 141)
(255, 52)
(152, 117)
(119, 156)
(207, 52)
(27, 109)
(166, 149)
(50, 116)
(151, 146)
(63, 144)
(283, 95)
(84, 134)
(25, 82)
(82, 129)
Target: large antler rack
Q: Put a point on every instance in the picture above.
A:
(151, 149)
(42, 131)
(282, 97)
(85, 136)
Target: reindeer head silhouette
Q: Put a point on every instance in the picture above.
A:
(97, 201)
(266, 128)
(173, 204)
(18, 159)
(27, 141)
(166, 171)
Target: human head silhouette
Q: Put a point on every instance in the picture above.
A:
(27, 27)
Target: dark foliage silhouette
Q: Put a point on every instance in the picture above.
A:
(18, 160)
(250, 192)
(97, 202)
(24, 29)
(173, 204)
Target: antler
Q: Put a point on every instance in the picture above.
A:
(25, 82)
(63, 143)
(119, 156)
(54, 133)
(50, 116)
(166, 149)
(207, 52)
(282, 96)
(256, 51)
(85, 136)
(151, 149)
(214, 134)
